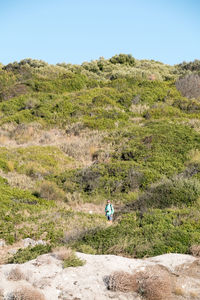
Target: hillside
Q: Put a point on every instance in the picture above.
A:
(73, 136)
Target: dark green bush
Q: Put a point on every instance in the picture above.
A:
(171, 192)
(127, 59)
(153, 233)
(113, 179)
(190, 66)
(29, 253)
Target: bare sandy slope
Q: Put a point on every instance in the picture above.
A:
(89, 281)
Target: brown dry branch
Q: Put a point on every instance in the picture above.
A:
(195, 250)
(155, 283)
(189, 86)
(27, 293)
(123, 282)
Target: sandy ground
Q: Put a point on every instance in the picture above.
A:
(89, 281)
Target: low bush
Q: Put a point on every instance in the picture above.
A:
(115, 179)
(73, 261)
(50, 191)
(29, 253)
(158, 149)
(190, 66)
(154, 283)
(86, 249)
(68, 257)
(123, 59)
(62, 253)
(195, 250)
(26, 293)
(123, 282)
(171, 192)
(152, 233)
(34, 161)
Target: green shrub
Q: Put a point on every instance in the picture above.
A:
(33, 161)
(171, 192)
(3, 180)
(86, 249)
(153, 233)
(190, 66)
(66, 82)
(73, 261)
(160, 146)
(29, 253)
(126, 59)
(50, 191)
(111, 179)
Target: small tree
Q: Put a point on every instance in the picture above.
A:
(126, 59)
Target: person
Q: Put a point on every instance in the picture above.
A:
(109, 211)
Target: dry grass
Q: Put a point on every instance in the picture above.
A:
(86, 147)
(195, 250)
(194, 295)
(188, 279)
(27, 293)
(78, 205)
(5, 253)
(3, 140)
(10, 166)
(74, 198)
(190, 269)
(16, 274)
(21, 181)
(62, 253)
(123, 282)
(24, 133)
(194, 156)
(155, 283)
(139, 108)
(50, 191)
(178, 291)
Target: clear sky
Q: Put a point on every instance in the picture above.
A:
(74, 31)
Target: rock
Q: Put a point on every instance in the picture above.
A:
(2, 243)
(40, 242)
(47, 275)
(29, 242)
(12, 251)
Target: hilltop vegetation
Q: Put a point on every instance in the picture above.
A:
(74, 135)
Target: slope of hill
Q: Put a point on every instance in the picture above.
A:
(73, 136)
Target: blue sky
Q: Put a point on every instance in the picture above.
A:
(75, 31)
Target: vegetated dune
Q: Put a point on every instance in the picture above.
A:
(169, 276)
(73, 136)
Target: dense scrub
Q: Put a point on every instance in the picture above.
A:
(130, 132)
(152, 233)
